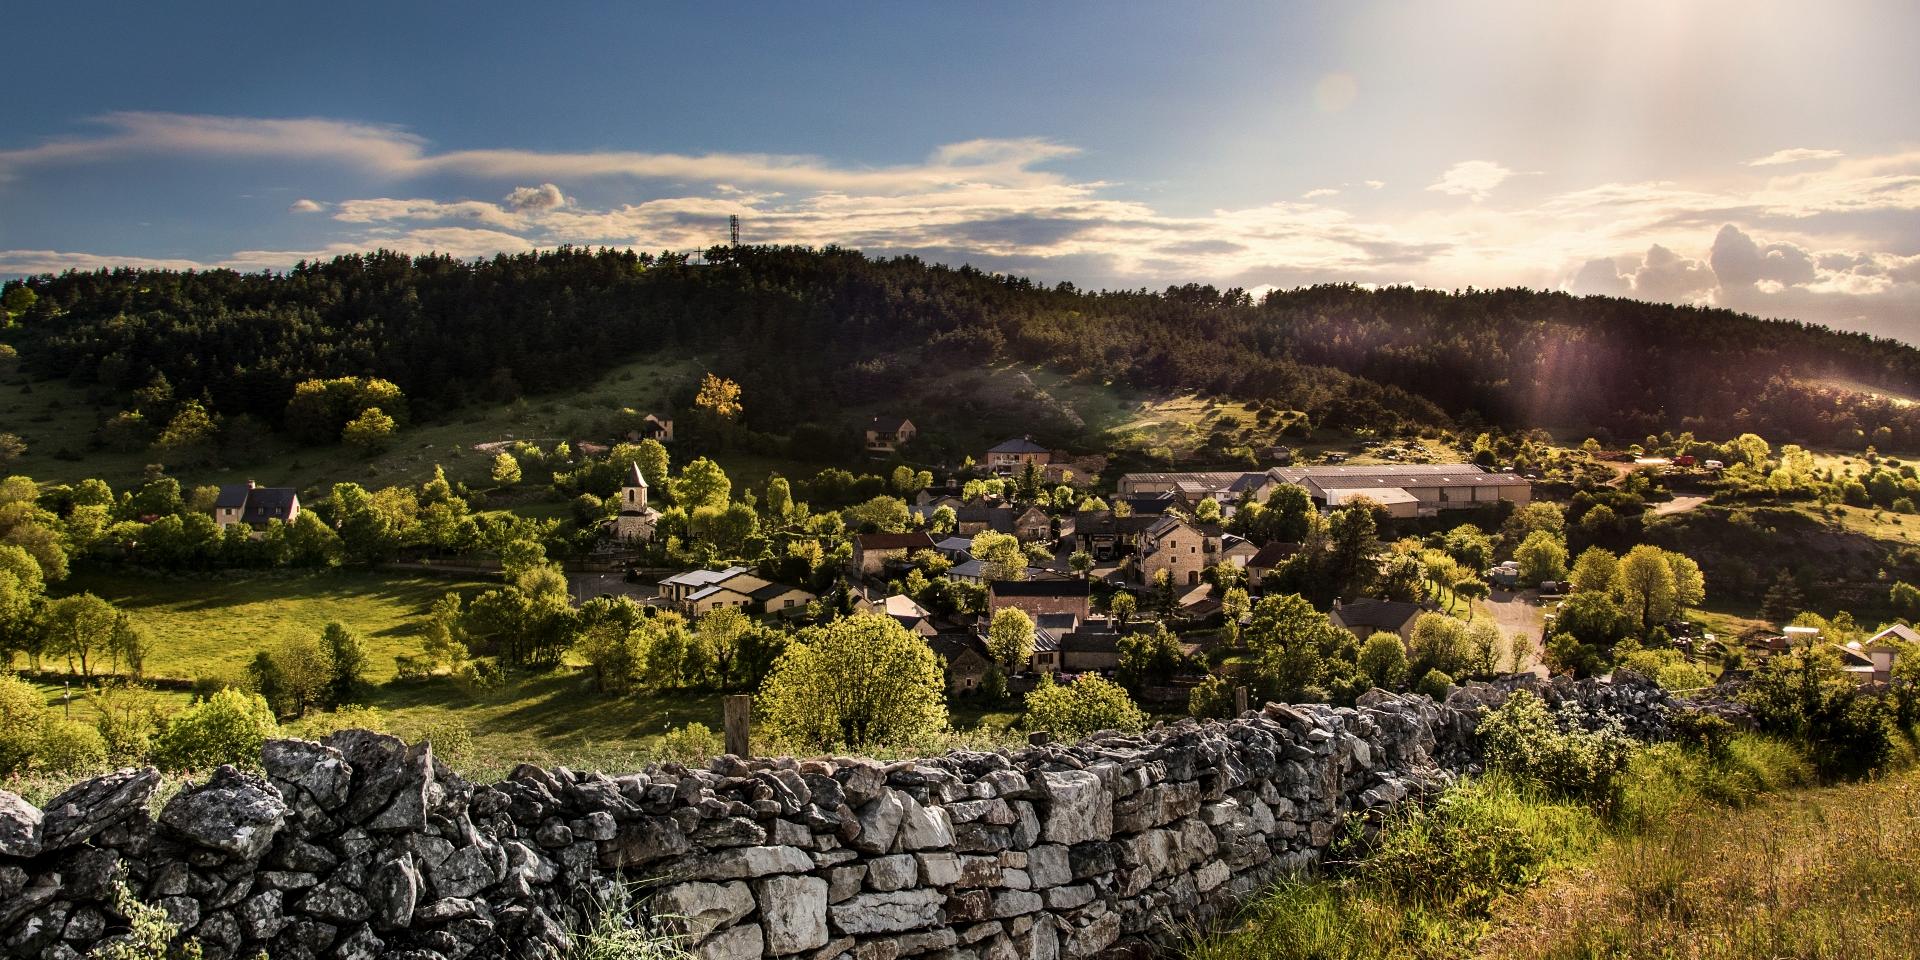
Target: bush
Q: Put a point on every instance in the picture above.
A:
(1525, 739)
(693, 743)
(20, 708)
(1704, 732)
(1089, 704)
(228, 727)
(69, 747)
(1211, 698)
(1806, 696)
(1435, 684)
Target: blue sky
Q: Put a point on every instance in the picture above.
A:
(1756, 155)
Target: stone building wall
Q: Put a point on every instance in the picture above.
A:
(364, 846)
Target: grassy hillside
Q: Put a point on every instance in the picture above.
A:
(1822, 873)
(1738, 859)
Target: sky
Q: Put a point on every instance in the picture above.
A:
(1755, 155)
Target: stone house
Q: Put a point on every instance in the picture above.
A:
(653, 427)
(1183, 549)
(1090, 646)
(699, 592)
(887, 434)
(873, 551)
(1013, 456)
(1364, 618)
(1266, 560)
(254, 505)
(966, 660)
(979, 515)
(1033, 525)
(1100, 533)
(1040, 597)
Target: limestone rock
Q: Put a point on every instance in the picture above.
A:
(19, 826)
(741, 863)
(879, 822)
(895, 912)
(1078, 807)
(738, 943)
(793, 913)
(235, 813)
(701, 908)
(92, 806)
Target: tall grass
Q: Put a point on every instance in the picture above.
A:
(1428, 884)
(1823, 873)
(1454, 880)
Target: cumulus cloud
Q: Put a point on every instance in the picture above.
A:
(1471, 178)
(543, 197)
(1739, 261)
(1603, 277)
(304, 205)
(1374, 184)
(1319, 193)
(1794, 155)
(1666, 276)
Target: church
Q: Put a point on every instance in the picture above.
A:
(636, 520)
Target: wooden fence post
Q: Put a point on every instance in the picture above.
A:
(739, 714)
(1239, 701)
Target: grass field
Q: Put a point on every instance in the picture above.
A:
(212, 626)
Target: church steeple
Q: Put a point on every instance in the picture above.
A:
(633, 493)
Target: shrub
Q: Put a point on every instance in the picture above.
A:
(693, 743)
(1705, 732)
(1525, 739)
(150, 933)
(1435, 684)
(1088, 704)
(20, 708)
(1211, 698)
(228, 727)
(69, 747)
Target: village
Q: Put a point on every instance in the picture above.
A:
(1085, 561)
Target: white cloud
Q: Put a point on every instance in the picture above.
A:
(304, 205)
(1671, 278)
(1374, 184)
(1739, 261)
(391, 151)
(543, 197)
(1321, 192)
(1471, 178)
(1794, 155)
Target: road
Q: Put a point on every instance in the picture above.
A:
(1679, 504)
(1519, 611)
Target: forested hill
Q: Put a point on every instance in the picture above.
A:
(807, 331)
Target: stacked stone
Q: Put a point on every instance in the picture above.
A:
(1639, 704)
(363, 846)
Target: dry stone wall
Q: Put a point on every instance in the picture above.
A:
(363, 846)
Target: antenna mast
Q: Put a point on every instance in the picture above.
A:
(733, 229)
